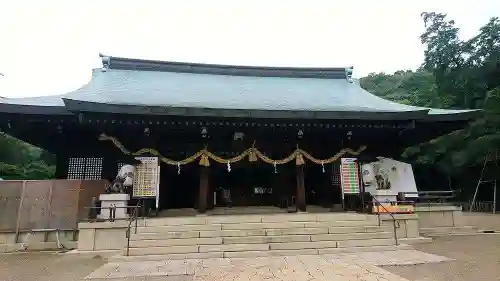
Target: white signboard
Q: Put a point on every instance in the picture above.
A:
(147, 178)
(389, 176)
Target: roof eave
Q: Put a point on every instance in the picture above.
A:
(464, 115)
(33, 109)
(85, 106)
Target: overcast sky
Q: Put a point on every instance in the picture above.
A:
(49, 47)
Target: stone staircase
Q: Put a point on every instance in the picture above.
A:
(257, 235)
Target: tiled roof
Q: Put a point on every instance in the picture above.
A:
(182, 85)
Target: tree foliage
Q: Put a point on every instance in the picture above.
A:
(455, 74)
(19, 160)
(406, 87)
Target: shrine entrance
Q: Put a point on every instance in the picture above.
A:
(179, 187)
(253, 184)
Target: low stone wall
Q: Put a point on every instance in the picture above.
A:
(38, 240)
(482, 221)
(440, 220)
(432, 216)
(101, 236)
(408, 230)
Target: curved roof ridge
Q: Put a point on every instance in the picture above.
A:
(111, 62)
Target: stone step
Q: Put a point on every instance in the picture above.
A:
(159, 233)
(305, 238)
(294, 231)
(366, 243)
(294, 225)
(163, 250)
(165, 235)
(290, 228)
(266, 239)
(352, 236)
(159, 257)
(254, 226)
(233, 233)
(361, 229)
(149, 248)
(259, 236)
(177, 228)
(156, 250)
(274, 218)
(340, 224)
(324, 251)
(324, 217)
(175, 242)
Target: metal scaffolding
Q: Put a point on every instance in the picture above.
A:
(491, 158)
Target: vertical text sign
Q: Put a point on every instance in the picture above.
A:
(349, 172)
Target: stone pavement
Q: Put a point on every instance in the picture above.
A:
(356, 266)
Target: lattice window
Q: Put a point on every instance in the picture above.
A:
(119, 165)
(81, 168)
(76, 168)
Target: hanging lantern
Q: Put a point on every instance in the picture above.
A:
(228, 166)
(203, 132)
(178, 168)
(275, 168)
(300, 134)
(322, 167)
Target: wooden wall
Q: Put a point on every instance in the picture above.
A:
(46, 204)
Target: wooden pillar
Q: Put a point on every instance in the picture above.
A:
(203, 192)
(300, 200)
(62, 163)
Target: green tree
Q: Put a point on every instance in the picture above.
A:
(469, 72)
(454, 74)
(444, 58)
(406, 87)
(19, 160)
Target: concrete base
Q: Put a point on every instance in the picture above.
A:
(407, 225)
(384, 196)
(120, 201)
(98, 236)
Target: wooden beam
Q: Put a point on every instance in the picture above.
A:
(203, 192)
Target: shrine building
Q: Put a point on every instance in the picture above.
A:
(272, 136)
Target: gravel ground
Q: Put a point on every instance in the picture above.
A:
(46, 267)
(475, 258)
